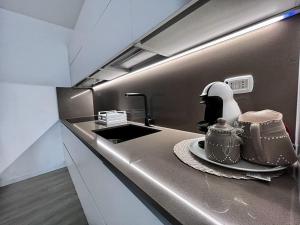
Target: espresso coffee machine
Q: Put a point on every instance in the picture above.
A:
(219, 102)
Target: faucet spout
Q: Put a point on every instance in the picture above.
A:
(148, 118)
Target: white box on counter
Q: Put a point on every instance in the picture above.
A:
(112, 117)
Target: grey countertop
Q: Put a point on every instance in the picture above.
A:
(191, 196)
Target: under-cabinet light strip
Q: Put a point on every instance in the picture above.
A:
(82, 93)
(235, 34)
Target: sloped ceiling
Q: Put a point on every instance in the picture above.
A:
(60, 12)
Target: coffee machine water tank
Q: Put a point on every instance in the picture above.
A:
(219, 102)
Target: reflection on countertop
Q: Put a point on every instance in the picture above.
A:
(191, 196)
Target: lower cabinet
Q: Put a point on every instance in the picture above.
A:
(88, 204)
(109, 198)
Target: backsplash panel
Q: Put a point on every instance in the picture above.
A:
(74, 103)
(270, 54)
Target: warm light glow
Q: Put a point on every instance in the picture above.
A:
(212, 43)
(82, 93)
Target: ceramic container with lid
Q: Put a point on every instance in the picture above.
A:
(266, 140)
(222, 143)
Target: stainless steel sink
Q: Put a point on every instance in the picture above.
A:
(123, 133)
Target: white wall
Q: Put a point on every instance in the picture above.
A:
(44, 155)
(33, 51)
(26, 113)
(33, 61)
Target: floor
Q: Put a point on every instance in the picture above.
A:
(48, 199)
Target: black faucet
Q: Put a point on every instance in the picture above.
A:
(148, 118)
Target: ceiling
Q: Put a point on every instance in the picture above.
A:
(60, 12)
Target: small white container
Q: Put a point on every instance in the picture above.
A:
(112, 117)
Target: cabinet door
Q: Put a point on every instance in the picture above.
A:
(148, 14)
(91, 12)
(112, 34)
(118, 205)
(91, 212)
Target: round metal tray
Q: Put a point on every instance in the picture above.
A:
(242, 165)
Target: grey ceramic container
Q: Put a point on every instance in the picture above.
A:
(222, 143)
(266, 140)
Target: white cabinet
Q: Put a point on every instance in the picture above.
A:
(118, 205)
(90, 209)
(111, 35)
(106, 28)
(90, 14)
(146, 14)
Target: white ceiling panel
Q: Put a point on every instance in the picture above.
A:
(60, 12)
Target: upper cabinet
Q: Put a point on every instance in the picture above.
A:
(105, 29)
(90, 14)
(213, 19)
(146, 14)
(110, 36)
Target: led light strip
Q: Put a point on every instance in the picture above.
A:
(238, 33)
(82, 93)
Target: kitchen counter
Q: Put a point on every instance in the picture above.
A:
(188, 195)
